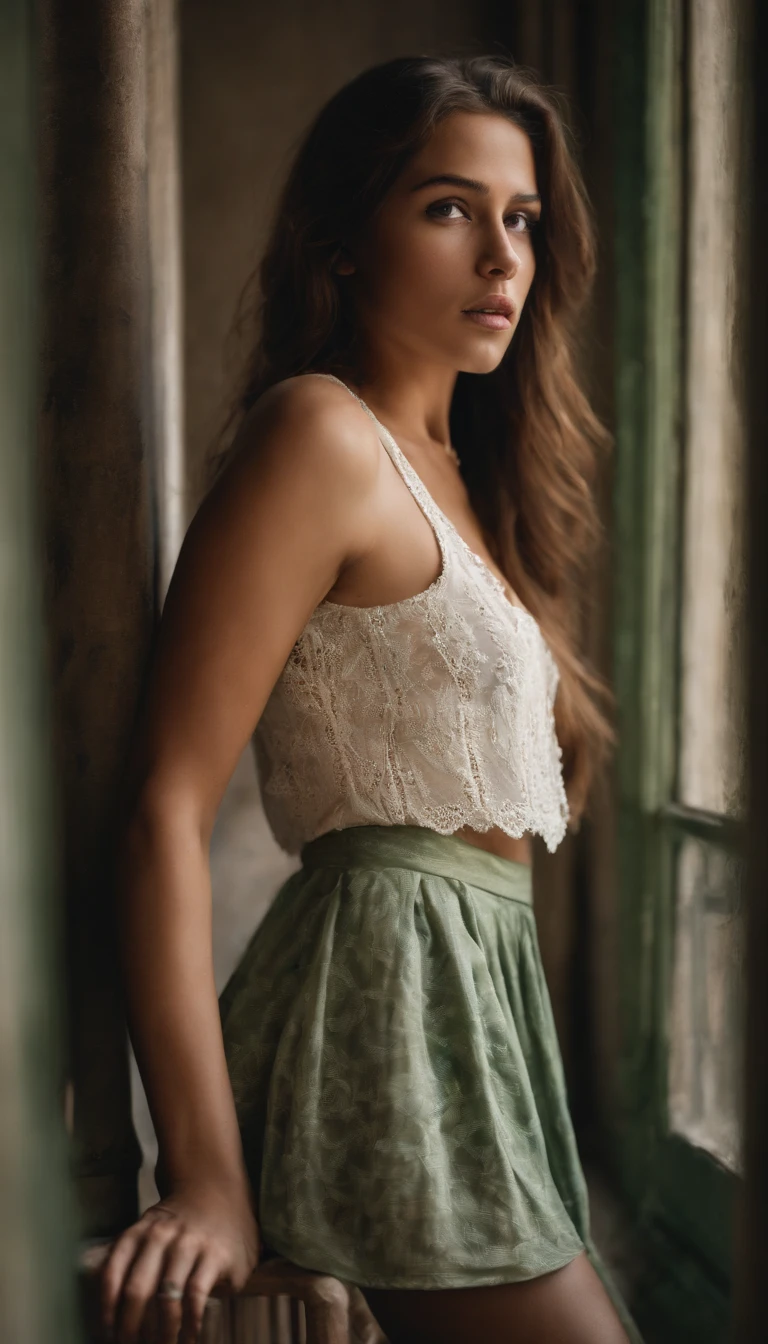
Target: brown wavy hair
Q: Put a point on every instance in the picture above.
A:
(529, 441)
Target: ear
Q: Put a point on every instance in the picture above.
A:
(342, 263)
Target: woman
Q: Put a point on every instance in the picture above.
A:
(381, 588)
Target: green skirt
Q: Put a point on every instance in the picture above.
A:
(396, 1071)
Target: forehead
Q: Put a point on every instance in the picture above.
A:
(485, 146)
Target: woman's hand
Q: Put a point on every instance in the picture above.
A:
(195, 1237)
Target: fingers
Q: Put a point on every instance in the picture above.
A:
(141, 1281)
(180, 1260)
(114, 1271)
(190, 1245)
(199, 1285)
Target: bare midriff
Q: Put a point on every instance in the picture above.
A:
(496, 841)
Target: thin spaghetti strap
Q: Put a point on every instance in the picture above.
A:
(447, 533)
(358, 398)
(434, 513)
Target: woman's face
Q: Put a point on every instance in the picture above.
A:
(437, 248)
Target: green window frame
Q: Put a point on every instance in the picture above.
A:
(682, 1197)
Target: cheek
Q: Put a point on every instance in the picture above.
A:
(424, 252)
(411, 271)
(388, 263)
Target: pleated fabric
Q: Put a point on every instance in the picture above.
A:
(396, 1070)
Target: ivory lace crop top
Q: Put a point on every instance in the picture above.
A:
(434, 711)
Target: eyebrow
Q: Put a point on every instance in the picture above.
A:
(454, 180)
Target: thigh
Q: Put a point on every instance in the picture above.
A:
(566, 1306)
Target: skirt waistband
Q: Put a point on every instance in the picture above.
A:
(423, 850)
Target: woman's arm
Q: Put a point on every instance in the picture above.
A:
(289, 512)
(164, 894)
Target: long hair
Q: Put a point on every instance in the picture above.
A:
(528, 439)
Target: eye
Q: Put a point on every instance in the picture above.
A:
(525, 223)
(529, 222)
(442, 205)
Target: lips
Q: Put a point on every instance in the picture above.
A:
(495, 303)
(494, 312)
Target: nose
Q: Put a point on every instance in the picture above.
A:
(499, 256)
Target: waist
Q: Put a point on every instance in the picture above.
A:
(423, 850)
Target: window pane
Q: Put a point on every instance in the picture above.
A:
(712, 741)
(705, 1062)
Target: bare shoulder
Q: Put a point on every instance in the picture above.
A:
(289, 512)
(305, 461)
(311, 425)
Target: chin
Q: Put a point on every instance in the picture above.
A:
(482, 361)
